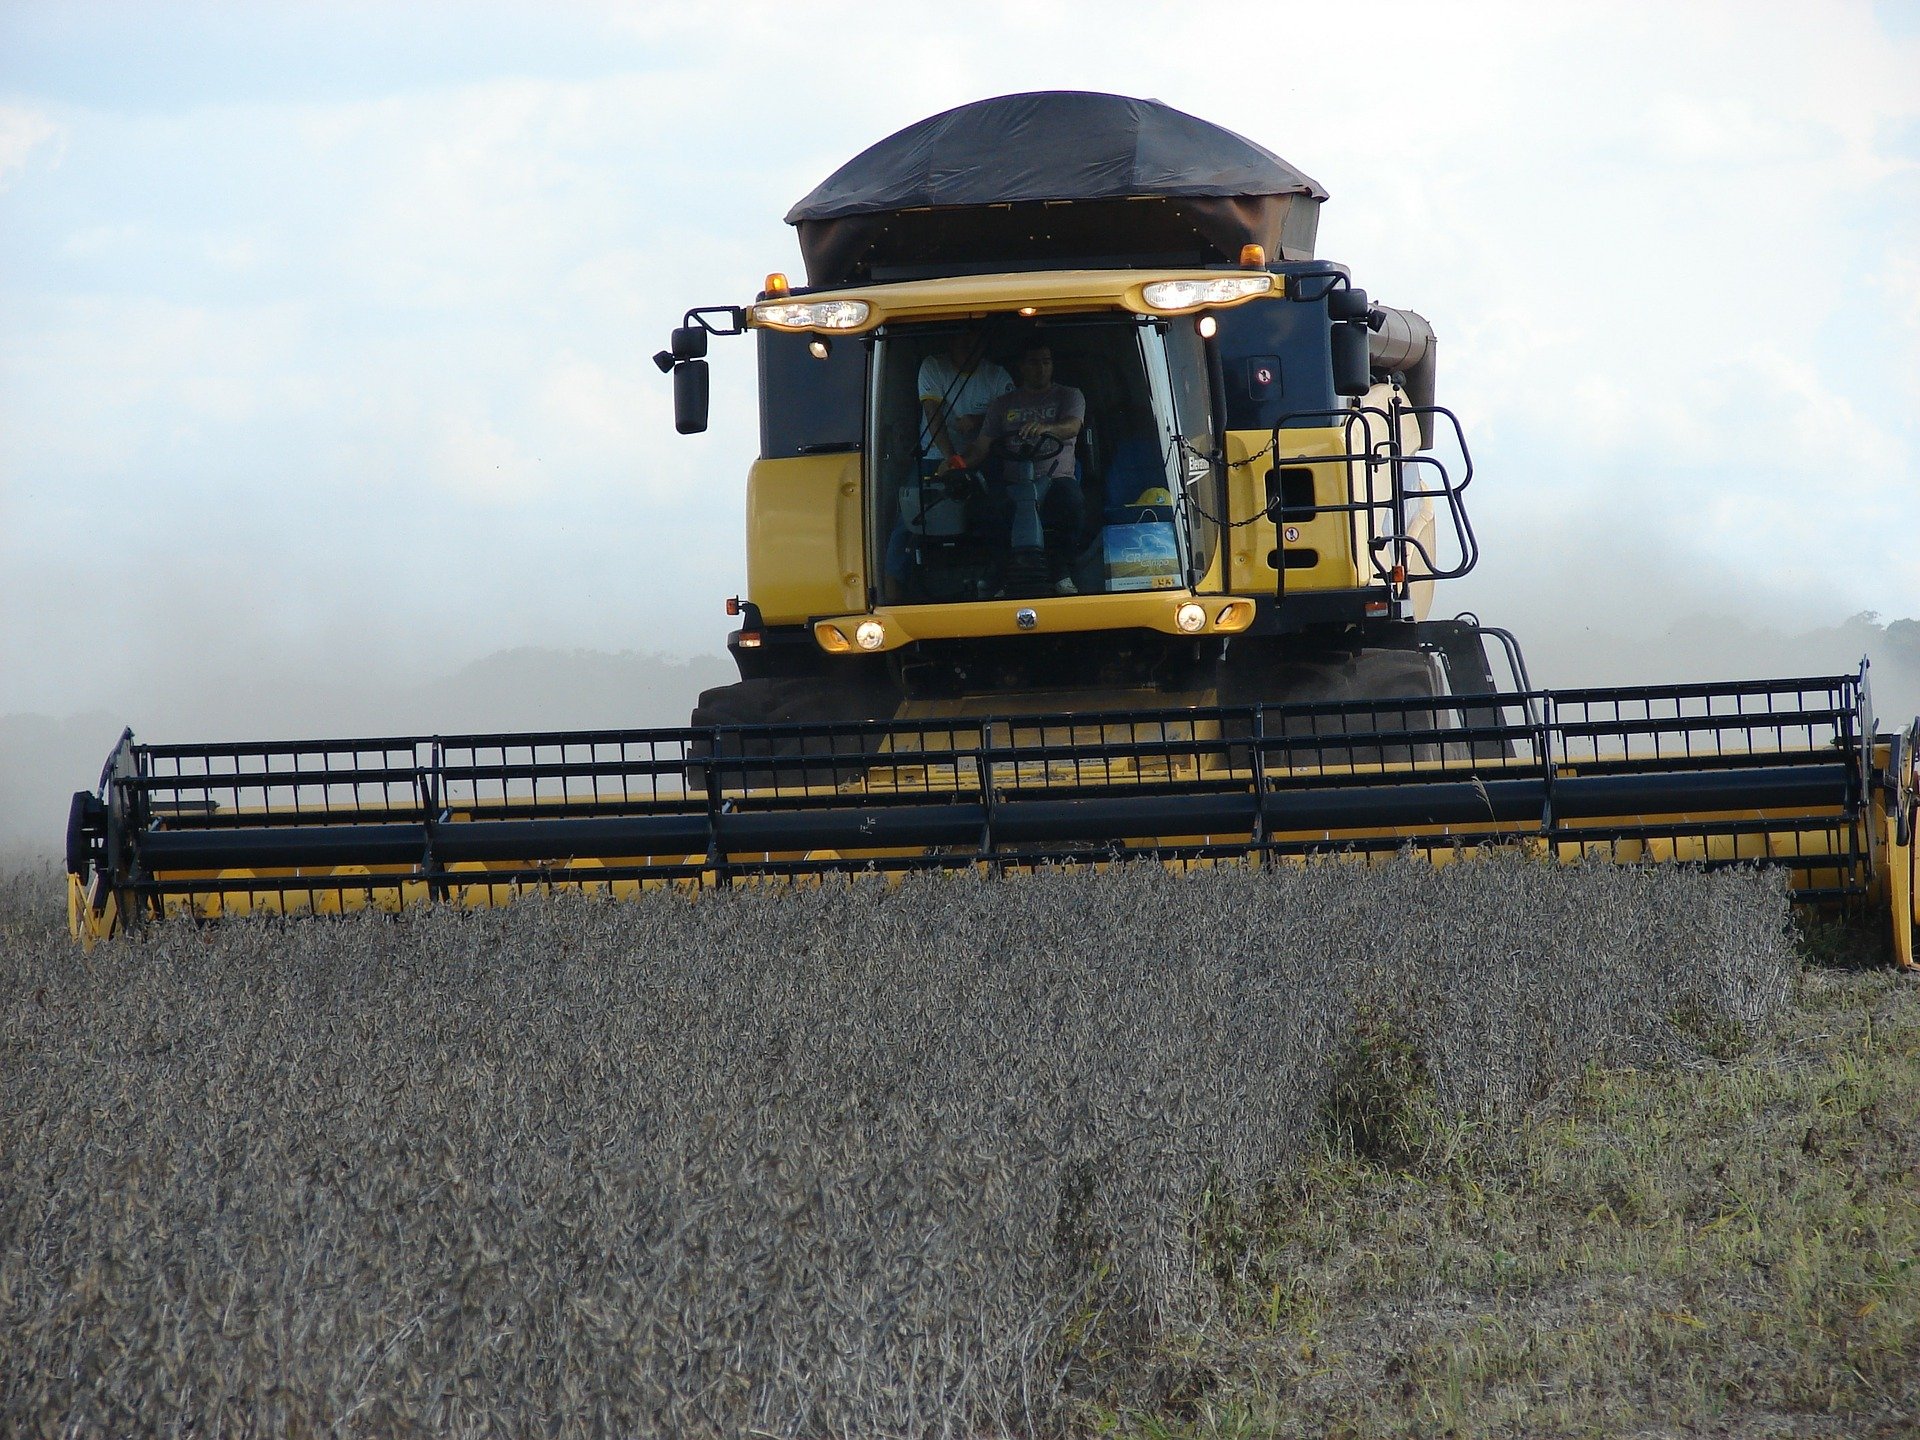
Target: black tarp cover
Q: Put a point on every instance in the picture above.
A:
(1075, 167)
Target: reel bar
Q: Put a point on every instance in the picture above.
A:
(1512, 807)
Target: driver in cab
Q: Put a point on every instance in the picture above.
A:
(1032, 411)
(1038, 420)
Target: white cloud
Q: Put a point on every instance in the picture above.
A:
(22, 131)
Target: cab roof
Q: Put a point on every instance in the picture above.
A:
(1055, 177)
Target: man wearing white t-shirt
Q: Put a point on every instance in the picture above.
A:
(955, 390)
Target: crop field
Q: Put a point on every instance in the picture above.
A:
(1490, 1149)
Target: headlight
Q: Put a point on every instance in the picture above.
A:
(1193, 294)
(1176, 295)
(871, 635)
(1190, 617)
(812, 314)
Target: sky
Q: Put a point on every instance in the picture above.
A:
(324, 329)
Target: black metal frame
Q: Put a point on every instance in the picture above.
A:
(1600, 768)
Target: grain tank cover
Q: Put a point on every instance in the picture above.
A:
(1048, 179)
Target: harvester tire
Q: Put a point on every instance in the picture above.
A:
(822, 758)
(1351, 680)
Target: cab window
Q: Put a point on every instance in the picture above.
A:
(1037, 506)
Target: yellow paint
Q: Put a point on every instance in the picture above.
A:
(805, 537)
(1045, 293)
(1340, 541)
(1902, 867)
(1134, 610)
(1250, 547)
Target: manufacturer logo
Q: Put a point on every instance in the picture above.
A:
(1026, 617)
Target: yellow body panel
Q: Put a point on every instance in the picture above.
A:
(1045, 292)
(1328, 538)
(1138, 610)
(1897, 858)
(806, 543)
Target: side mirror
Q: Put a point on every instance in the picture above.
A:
(1345, 304)
(690, 396)
(1350, 365)
(689, 342)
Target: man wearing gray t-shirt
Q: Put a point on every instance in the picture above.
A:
(1034, 411)
(1039, 421)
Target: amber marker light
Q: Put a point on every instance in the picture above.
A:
(1253, 257)
(1234, 615)
(832, 638)
(776, 285)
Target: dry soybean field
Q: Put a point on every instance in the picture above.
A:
(1490, 1149)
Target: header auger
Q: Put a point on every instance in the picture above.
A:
(1095, 517)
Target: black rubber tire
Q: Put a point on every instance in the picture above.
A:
(86, 832)
(1351, 680)
(825, 757)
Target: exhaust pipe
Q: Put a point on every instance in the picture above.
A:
(1402, 341)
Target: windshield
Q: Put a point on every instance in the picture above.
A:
(1029, 460)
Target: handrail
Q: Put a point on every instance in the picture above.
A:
(1394, 535)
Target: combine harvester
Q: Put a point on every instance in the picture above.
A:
(1179, 608)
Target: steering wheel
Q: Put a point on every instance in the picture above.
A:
(1019, 448)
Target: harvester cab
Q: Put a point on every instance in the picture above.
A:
(1095, 516)
(1127, 484)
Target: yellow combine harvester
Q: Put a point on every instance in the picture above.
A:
(1094, 517)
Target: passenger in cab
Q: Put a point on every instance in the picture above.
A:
(955, 390)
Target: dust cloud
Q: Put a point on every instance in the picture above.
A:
(44, 758)
(1596, 603)
(1722, 647)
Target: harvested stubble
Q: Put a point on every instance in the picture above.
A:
(857, 1160)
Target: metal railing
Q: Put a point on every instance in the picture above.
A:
(1386, 488)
